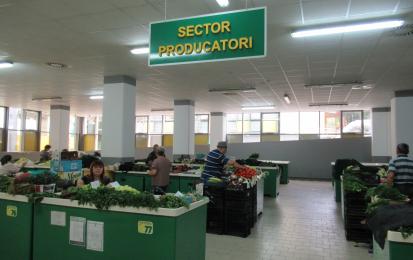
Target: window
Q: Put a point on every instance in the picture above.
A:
(309, 125)
(201, 124)
(44, 131)
(270, 123)
(15, 124)
(141, 130)
(168, 125)
(352, 123)
(141, 125)
(251, 128)
(155, 125)
(329, 125)
(234, 128)
(2, 117)
(92, 133)
(31, 120)
(367, 122)
(289, 126)
(201, 129)
(3, 111)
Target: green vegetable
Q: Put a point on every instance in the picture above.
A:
(373, 206)
(5, 183)
(385, 192)
(44, 179)
(406, 231)
(353, 184)
(172, 201)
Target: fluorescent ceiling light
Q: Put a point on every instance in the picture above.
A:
(6, 64)
(258, 108)
(335, 84)
(227, 90)
(161, 109)
(45, 98)
(287, 99)
(223, 3)
(96, 97)
(328, 104)
(348, 28)
(140, 50)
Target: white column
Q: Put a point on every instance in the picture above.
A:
(184, 126)
(217, 129)
(59, 127)
(118, 119)
(402, 119)
(381, 139)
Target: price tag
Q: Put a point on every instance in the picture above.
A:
(145, 227)
(11, 211)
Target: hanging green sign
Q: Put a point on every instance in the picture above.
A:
(213, 37)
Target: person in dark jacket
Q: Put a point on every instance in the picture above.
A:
(152, 155)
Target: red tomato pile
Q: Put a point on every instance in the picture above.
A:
(246, 173)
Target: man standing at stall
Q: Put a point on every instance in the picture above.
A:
(160, 169)
(215, 163)
(401, 171)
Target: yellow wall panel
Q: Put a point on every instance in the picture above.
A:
(30, 141)
(201, 139)
(88, 143)
(167, 140)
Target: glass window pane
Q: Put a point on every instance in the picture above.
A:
(168, 125)
(2, 116)
(289, 123)
(155, 124)
(309, 123)
(44, 139)
(367, 122)
(154, 139)
(90, 125)
(234, 138)
(74, 125)
(270, 122)
(252, 123)
(201, 124)
(15, 118)
(252, 139)
(330, 123)
(289, 137)
(234, 123)
(14, 141)
(73, 142)
(352, 122)
(99, 126)
(329, 136)
(31, 120)
(141, 125)
(45, 124)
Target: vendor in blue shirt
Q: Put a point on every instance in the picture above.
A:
(216, 161)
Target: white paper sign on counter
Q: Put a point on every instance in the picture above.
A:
(94, 237)
(58, 218)
(77, 231)
(95, 184)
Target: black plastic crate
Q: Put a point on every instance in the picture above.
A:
(216, 227)
(237, 229)
(237, 195)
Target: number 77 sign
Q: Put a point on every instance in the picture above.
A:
(145, 227)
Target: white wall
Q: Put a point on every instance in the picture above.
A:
(381, 137)
(59, 129)
(217, 129)
(184, 126)
(401, 122)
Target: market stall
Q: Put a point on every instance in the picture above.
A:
(16, 214)
(396, 247)
(72, 231)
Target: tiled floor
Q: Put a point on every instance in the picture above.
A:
(304, 222)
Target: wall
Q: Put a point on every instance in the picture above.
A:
(308, 158)
(381, 139)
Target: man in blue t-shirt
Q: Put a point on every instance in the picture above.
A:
(216, 161)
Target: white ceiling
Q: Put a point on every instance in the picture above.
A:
(94, 37)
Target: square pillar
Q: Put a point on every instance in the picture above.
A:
(401, 119)
(59, 127)
(381, 148)
(217, 129)
(184, 128)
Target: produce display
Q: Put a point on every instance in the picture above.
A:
(180, 168)
(46, 178)
(247, 173)
(140, 168)
(5, 183)
(383, 195)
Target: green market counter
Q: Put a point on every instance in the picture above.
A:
(283, 167)
(271, 181)
(183, 182)
(16, 216)
(65, 230)
(396, 247)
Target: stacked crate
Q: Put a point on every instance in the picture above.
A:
(215, 209)
(238, 212)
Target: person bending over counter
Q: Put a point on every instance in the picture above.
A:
(215, 163)
(97, 173)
